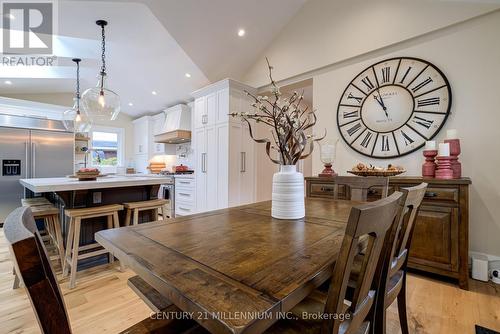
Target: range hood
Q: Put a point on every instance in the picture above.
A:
(177, 126)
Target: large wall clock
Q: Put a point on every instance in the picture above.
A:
(392, 107)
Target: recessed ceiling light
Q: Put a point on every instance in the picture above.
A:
(241, 32)
(187, 75)
(8, 82)
(130, 104)
(154, 92)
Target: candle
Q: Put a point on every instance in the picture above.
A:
(452, 134)
(430, 145)
(444, 150)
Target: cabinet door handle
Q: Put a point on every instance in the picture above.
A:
(184, 194)
(430, 194)
(203, 162)
(33, 160)
(326, 189)
(184, 209)
(184, 182)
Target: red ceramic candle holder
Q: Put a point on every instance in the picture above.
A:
(455, 151)
(444, 170)
(328, 171)
(429, 166)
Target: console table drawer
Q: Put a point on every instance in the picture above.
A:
(447, 195)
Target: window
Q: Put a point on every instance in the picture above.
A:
(107, 148)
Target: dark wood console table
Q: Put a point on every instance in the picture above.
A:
(440, 242)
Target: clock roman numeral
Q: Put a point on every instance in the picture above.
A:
(385, 143)
(428, 102)
(408, 139)
(369, 85)
(406, 74)
(422, 121)
(354, 129)
(422, 84)
(386, 74)
(367, 139)
(351, 114)
(358, 99)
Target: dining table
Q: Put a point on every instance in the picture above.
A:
(235, 270)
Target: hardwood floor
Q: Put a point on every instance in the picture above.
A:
(103, 303)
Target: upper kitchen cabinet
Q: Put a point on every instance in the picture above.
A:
(142, 128)
(213, 108)
(225, 154)
(157, 122)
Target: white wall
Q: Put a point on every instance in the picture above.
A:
(325, 32)
(469, 55)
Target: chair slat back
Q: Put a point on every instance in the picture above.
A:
(359, 186)
(406, 223)
(373, 220)
(33, 266)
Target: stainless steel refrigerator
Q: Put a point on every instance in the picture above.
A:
(30, 148)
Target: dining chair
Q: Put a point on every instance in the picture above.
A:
(35, 270)
(374, 220)
(393, 277)
(359, 186)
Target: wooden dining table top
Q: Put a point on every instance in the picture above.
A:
(234, 270)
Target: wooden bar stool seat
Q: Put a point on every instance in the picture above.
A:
(73, 247)
(34, 201)
(133, 208)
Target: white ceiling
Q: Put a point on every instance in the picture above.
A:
(151, 44)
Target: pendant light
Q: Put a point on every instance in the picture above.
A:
(100, 102)
(76, 119)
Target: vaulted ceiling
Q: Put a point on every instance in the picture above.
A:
(151, 45)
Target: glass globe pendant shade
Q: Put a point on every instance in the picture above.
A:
(101, 103)
(76, 120)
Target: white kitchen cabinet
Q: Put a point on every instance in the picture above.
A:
(225, 172)
(141, 163)
(157, 126)
(185, 195)
(141, 135)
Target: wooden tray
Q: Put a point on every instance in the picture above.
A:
(377, 173)
(88, 177)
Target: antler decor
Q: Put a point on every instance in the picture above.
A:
(289, 121)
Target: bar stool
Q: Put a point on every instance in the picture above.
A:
(41, 208)
(73, 241)
(155, 204)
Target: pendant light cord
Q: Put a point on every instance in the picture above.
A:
(103, 57)
(77, 95)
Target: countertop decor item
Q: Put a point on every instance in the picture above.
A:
(87, 174)
(77, 119)
(455, 151)
(392, 107)
(290, 122)
(364, 170)
(327, 155)
(101, 102)
(429, 166)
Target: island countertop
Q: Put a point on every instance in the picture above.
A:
(53, 184)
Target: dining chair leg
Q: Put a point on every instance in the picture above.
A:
(403, 317)
(59, 238)
(380, 318)
(69, 246)
(155, 214)
(15, 285)
(110, 226)
(74, 257)
(135, 220)
(127, 217)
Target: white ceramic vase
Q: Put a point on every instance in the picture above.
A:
(288, 193)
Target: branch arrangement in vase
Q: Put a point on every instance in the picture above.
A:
(289, 120)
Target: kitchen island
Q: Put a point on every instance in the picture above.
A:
(68, 193)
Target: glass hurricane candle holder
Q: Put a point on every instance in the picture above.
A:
(327, 156)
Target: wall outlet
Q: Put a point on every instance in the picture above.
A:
(97, 197)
